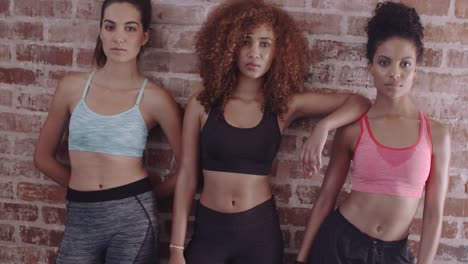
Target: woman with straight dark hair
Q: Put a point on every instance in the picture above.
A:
(111, 206)
(397, 154)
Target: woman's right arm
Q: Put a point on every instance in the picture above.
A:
(333, 182)
(51, 135)
(187, 177)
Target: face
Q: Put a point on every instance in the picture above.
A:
(255, 56)
(122, 33)
(394, 67)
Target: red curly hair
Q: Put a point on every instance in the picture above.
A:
(221, 37)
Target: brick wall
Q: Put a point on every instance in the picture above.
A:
(41, 40)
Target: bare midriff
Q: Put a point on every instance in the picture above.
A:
(96, 171)
(384, 217)
(234, 192)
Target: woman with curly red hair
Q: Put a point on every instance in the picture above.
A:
(252, 63)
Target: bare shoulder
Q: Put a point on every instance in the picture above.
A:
(73, 83)
(195, 105)
(439, 132)
(157, 95)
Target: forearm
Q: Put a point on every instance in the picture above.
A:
(318, 215)
(184, 192)
(56, 171)
(351, 110)
(431, 230)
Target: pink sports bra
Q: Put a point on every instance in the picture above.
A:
(393, 171)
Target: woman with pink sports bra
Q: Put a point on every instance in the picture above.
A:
(397, 154)
(111, 206)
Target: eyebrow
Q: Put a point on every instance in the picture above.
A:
(126, 23)
(383, 56)
(261, 38)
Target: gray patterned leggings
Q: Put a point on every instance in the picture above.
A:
(115, 231)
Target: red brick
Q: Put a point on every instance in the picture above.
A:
(449, 229)
(347, 6)
(34, 102)
(288, 3)
(18, 168)
(307, 194)
(6, 98)
(429, 7)
(324, 50)
(455, 207)
(19, 123)
(282, 192)
(441, 82)
(45, 54)
(4, 7)
(5, 54)
(88, 9)
(49, 193)
(455, 108)
(432, 57)
(457, 59)
(316, 24)
(18, 212)
(5, 144)
(53, 215)
(85, 57)
(288, 169)
(169, 62)
(447, 33)
(293, 216)
(356, 26)
(18, 76)
(18, 254)
(459, 253)
(459, 159)
(55, 76)
(186, 40)
(288, 144)
(461, 9)
(321, 74)
(465, 230)
(354, 76)
(73, 32)
(158, 158)
(6, 190)
(7, 232)
(43, 8)
(172, 14)
(40, 236)
(184, 88)
(456, 184)
(24, 146)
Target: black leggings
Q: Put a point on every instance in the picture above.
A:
(249, 237)
(340, 242)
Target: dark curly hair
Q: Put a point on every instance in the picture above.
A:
(218, 43)
(143, 6)
(394, 20)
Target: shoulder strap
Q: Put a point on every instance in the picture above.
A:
(85, 91)
(141, 91)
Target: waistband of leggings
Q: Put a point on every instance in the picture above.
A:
(117, 193)
(252, 216)
(363, 236)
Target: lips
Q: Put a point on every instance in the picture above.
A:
(251, 64)
(118, 49)
(394, 85)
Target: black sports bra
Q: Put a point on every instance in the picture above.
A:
(227, 148)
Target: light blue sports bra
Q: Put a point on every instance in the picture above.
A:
(120, 134)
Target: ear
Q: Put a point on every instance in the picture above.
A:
(146, 37)
(369, 67)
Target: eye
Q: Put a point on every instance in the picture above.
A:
(382, 62)
(108, 27)
(265, 44)
(246, 42)
(406, 64)
(131, 29)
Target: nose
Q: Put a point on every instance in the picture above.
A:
(395, 72)
(254, 52)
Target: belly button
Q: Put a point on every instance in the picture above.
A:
(379, 229)
(100, 186)
(233, 203)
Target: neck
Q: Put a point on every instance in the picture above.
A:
(249, 88)
(120, 73)
(401, 106)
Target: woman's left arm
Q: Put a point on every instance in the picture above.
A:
(340, 108)
(165, 112)
(436, 189)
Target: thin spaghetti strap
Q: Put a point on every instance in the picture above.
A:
(85, 91)
(141, 91)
